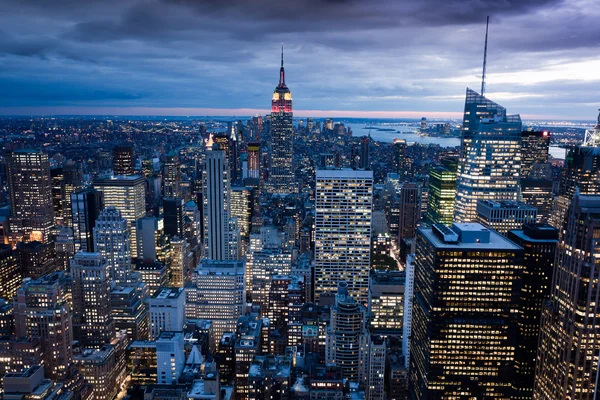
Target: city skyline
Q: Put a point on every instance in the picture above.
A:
(394, 60)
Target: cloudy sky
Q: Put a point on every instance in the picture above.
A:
(396, 58)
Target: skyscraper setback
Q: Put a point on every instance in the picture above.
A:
(281, 175)
(490, 156)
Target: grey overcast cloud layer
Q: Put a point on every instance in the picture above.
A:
(357, 56)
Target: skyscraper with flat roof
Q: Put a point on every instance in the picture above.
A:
(128, 195)
(86, 205)
(93, 324)
(490, 156)
(465, 313)
(111, 241)
(123, 160)
(344, 199)
(30, 190)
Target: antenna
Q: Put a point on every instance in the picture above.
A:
(487, 24)
(281, 55)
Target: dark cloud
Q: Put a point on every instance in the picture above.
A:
(391, 55)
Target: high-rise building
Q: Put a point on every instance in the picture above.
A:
(344, 199)
(30, 383)
(42, 312)
(490, 156)
(171, 175)
(36, 259)
(57, 176)
(194, 229)
(166, 310)
(567, 357)
(241, 210)
(105, 368)
(129, 310)
(181, 260)
(10, 272)
(123, 160)
(465, 313)
(281, 174)
(265, 258)
(92, 321)
(30, 190)
(64, 248)
(423, 125)
(219, 234)
(410, 211)
(376, 368)
(170, 357)
(71, 182)
(534, 150)
(254, 160)
(217, 293)
(249, 332)
(364, 152)
(86, 205)
(505, 215)
(174, 216)
(539, 244)
(111, 241)
(442, 193)
(386, 302)
(537, 190)
(128, 195)
(151, 234)
(347, 336)
(582, 174)
(400, 162)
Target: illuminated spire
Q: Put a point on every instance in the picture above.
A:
(281, 71)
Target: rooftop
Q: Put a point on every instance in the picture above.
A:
(467, 236)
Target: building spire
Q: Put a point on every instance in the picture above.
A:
(487, 24)
(598, 125)
(281, 71)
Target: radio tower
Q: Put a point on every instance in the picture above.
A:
(487, 24)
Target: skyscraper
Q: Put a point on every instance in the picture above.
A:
(219, 232)
(344, 199)
(174, 216)
(92, 321)
(466, 297)
(534, 150)
(171, 175)
(364, 152)
(490, 157)
(410, 211)
(86, 205)
(128, 195)
(503, 216)
(123, 160)
(442, 192)
(10, 272)
(217, 293)
(567, 358)
(281, 175)
(111, 241)
(399, 162)
(254, 160)
(42, 312)
(539, 245)
(347, 336)
(30, 189)
(166, 311)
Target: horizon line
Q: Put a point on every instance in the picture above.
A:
(233, 112)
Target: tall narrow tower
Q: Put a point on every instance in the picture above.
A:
(281, 176)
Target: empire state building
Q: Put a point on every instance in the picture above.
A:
(281, 174)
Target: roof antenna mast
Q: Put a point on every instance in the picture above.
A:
(487, 24)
